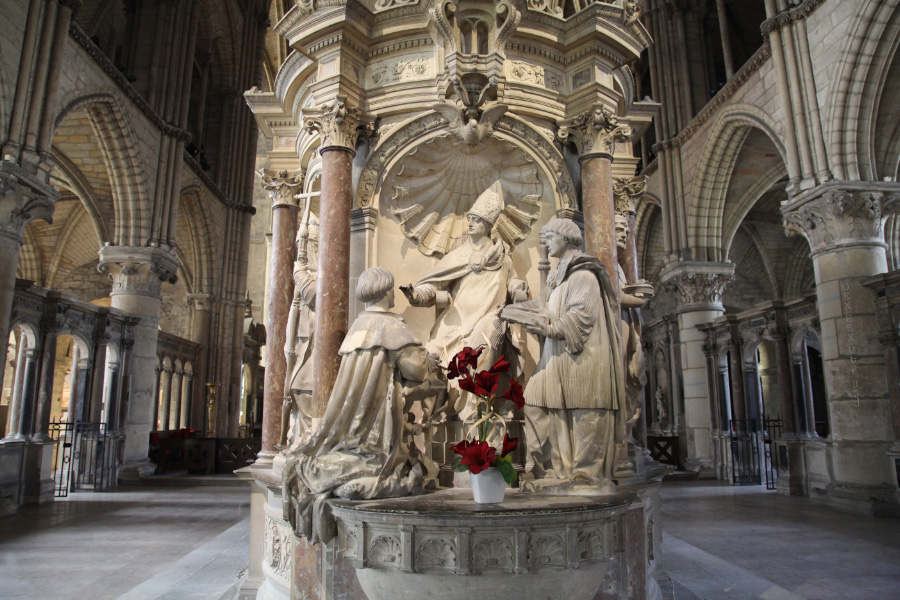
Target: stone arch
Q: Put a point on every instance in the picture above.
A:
(199, 233)
(117, 141)
(866, 57)
(707, 207)
(73, 178)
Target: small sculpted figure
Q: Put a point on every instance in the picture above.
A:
(362, 448)
(471, 285)
(574, 395)
(296, 411)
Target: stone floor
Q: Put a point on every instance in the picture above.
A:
(190, 543)
(139, 543)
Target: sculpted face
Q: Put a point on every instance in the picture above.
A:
(478, 227)
(556, 244)
(390, 298)
(621, 233)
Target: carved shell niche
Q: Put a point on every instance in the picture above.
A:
(440, 180)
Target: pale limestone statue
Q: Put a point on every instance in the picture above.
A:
(661, 410)
(631, 298)
(471, 285)
(362, 448)
(296, 411)
(574, 395)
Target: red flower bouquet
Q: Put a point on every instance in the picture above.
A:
(477, 454)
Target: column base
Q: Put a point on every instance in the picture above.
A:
(701, 466)
(37, 484)
(791, 467)
(131, 473)
(866, 500)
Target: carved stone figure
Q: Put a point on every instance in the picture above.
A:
(362, 448)
(296, 411)
(574, 395)
(471, 285)
(661, 410)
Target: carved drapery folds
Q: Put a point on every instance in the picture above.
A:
(283, 187)
(698, 285)
(138, 270)
(841, 217)
(628, 191)
(594, 132)
(337, 123)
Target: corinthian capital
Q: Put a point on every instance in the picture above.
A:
(594, 132)
(698, 285)
(282, 186)
(138, 270)
(841, 215)
(628, 191)
(336, 122)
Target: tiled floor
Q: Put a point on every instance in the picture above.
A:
(171, 543)
(138, 543)
(724, 542)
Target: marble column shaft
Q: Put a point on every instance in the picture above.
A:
(332, 291)
(785, 385)
(97, 377)
(15, 401)
(281, 286)
(166, 400)
(599, 210)
(41, 425)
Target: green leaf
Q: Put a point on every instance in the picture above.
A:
(506, 469)
(458, 466)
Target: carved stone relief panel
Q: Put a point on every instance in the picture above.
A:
(278, 548)
(519, 70)
(398, 70)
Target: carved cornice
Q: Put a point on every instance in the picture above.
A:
(785, 18)
(214, 188)
(697, 285)
(138, 270)
(283, 187)
(337, 123)
(628, 191)
(842, 215)
(594, 132)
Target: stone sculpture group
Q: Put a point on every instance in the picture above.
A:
(581, 399)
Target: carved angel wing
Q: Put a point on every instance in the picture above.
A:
(452, 114)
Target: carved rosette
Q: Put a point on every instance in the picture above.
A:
(337, 123)
(283, 187)
(628, 191)
(594, 132)
(698, 286)
(841, 217)
(138, 270)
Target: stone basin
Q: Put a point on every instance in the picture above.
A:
(444, 546)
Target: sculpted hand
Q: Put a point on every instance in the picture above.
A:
(410, 293)
(540, 327)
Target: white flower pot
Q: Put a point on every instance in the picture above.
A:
(488, 487)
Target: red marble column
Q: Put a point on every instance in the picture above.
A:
(629, 258)
(599, 210)
(281, 287)
(332, 292)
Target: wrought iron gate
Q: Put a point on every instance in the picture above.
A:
(85, 458)
(772, 429)
(745, 456)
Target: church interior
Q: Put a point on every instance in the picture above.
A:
(212, 211)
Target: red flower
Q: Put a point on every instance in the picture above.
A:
(478, 456)
(501, 366)
(508, 444)
(484, 384)
(514, 394)
(459, 364)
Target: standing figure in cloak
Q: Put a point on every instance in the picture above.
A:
(471, 284)
(363, 446)
(573, 398)
(296, 410)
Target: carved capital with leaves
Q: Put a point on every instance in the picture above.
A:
(138, 271)
(594, 132)
(628, 191)
(283, 186)
(337, 123)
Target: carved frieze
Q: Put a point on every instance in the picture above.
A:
(520, 70)
(492, 553)
(408, 68)
(546, 550)
(840, 217)
(698, 286)
(594, 132)
(436, 553)
(278, 547)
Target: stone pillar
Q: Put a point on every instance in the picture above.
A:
(98, 375)
(699, 287)
(177, 382)
(843, 225)
(809, 407)
(187, 395)
(200, 307)
(15, 401)
(166, 401)
(726, 39)
(594, 134)
(137, 274)
(22, 198)
(26, 416)
(337, 124)
(41, 425)
(157, 371)
(112, 398)
(283, 189)
(779, 336)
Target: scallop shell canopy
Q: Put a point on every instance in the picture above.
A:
(440, 180)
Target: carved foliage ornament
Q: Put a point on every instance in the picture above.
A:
(594, 132)
(278, 548)
(383, 5)
(628, 191)
(283, 187)
(841, 217)
(699, 288)
(19, 205)
(337, 123)
(139, 271)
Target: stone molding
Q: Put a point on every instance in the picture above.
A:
(22, 198)
(627, 192)
(337, 123)
(697, 285)
(283, 187)
(842, 214)
(138, 270)
(782, 19)
(594, 132)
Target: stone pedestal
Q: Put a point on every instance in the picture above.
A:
(843, 224)
(699, 287)
(137, 274)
